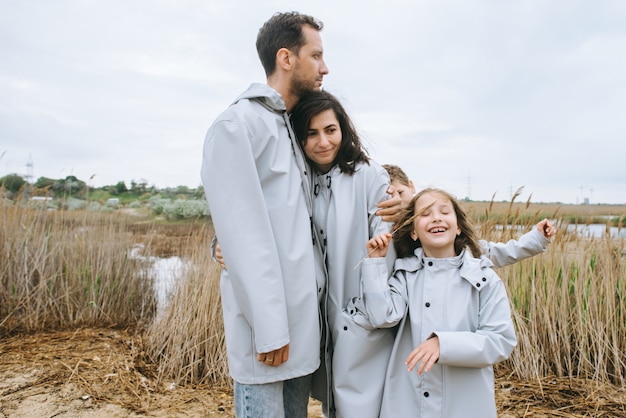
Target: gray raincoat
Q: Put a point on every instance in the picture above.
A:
(344, 208)
(260, 205)
(464, 303)
(500, 254)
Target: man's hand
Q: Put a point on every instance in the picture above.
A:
(274, 358)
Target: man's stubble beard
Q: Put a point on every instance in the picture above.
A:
(301, 85)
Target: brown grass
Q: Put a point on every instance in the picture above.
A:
(61, 270)
(188, 339)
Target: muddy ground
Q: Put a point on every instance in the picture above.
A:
(100, 373)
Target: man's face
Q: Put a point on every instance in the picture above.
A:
(309, 67)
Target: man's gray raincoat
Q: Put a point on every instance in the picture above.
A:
(260, 205)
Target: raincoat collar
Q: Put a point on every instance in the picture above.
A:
(472, 269)
(265, 95)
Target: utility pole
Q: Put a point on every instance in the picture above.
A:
(29, 177)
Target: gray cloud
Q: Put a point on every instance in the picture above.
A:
(477, 97)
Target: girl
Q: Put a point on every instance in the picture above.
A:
(452, 310)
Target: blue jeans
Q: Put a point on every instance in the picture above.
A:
(284, 399)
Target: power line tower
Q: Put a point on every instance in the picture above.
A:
(28, 189)
(469, 188)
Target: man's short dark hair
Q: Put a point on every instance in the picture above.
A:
(283, 30)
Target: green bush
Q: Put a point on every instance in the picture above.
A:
(74, 204)
(157, 204)
(186, 209)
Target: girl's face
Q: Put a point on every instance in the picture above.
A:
(323, 140)
(437, 226)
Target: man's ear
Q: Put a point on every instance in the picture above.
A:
(284, 59)
(412, 186)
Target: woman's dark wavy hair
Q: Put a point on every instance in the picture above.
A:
(405, 245)
(282, 30)
(312, 103)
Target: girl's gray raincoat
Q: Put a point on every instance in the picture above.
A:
(464, 303)
(500, 254)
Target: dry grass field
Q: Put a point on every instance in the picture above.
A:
(78, 335)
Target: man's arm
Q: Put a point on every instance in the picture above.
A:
(237, 202)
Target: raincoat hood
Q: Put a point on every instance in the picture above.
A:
(265, 95)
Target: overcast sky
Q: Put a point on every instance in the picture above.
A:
(476, 97)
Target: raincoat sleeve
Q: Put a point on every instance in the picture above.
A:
(494, 339)
(382, 303)
(240, 215)
(502, 254)
(378, 193)
(214, 244)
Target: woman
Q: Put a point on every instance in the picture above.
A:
(347, 186)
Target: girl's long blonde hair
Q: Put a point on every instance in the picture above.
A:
(405, 245)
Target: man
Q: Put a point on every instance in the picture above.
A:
(254, 174)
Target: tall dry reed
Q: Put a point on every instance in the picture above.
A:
(187, 338)
(69, 269)
(569, 308)
(569, 304)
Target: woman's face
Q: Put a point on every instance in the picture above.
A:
(437, 226)
(323, 140)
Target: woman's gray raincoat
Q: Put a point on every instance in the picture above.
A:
(344, 208)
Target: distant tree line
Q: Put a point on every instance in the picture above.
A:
(15, 187)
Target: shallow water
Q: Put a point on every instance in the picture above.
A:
(597, 230)
(165, 272)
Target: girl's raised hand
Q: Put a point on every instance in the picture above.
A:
(378, 246)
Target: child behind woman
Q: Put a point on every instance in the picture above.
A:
(453, 311)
